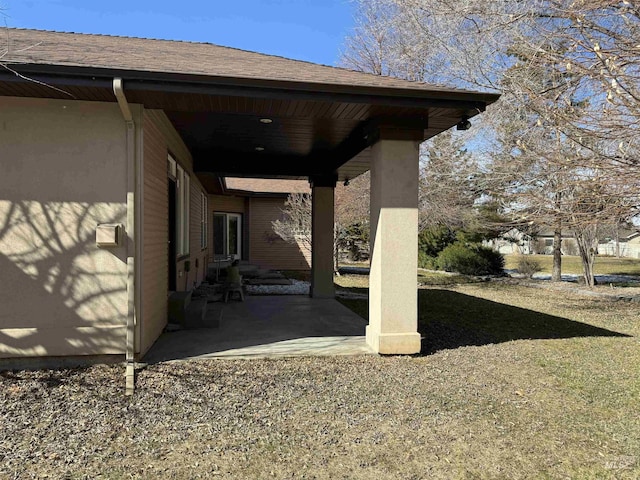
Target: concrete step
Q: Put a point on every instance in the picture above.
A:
(248, 270)
(214, 315)
(195, 314)
(268, 281)
(270, 274)
(204, 313)
(178, 303)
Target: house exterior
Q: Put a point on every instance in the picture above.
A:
(247, 210)
(539, 242)
(516, 242)
(114, 153)
(512, 242)
(626, 245)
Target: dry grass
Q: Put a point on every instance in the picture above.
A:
(515, 383)
(424, 277)
(556, 371)
(571, 264)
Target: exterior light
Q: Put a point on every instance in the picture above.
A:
(346, 182)
(464, 124)
(266, 120)
(259, 149)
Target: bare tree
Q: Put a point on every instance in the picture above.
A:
(295, 224)
(352, 201)
(351, 208)
(570, 82)
(448, 192)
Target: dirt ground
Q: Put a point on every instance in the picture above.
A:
(513, 406)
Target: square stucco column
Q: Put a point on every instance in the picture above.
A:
(393, 297)
(322, 205)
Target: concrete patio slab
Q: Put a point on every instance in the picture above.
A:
(269, 326)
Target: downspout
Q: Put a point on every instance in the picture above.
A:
(132, 233)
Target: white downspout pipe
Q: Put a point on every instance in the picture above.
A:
(132, 233)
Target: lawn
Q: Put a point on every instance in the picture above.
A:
(513, 383)
(572, 264)
(555, 377)
(356, 283)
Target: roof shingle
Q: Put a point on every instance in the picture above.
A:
(265, 185)
(37, 47)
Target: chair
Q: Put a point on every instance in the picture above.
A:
(232, 288)
(233, 282)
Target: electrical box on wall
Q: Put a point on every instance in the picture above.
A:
(108, 235)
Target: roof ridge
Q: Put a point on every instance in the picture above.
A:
(154, 39)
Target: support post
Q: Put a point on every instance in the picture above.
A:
(322, 206)
(393, 301)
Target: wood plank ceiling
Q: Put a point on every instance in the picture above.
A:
(227, 137)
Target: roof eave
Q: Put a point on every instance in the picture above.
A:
(473, 102)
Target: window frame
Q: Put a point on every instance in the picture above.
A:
(204, 224)
(183, 193)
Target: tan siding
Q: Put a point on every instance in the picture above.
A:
(266, 249)
(226, 204)
(160, 138)
(172, 139)
(155, 274)
(199, 272)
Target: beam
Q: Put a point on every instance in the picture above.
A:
(321, 162)
(233, 164)
(369, 132)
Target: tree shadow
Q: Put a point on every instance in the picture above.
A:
(449, 320)
(61, 296)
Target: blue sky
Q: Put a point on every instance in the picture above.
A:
(312, 30)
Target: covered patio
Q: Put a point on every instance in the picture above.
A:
(269, 326)
(233, 113)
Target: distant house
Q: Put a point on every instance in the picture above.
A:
(626, 245)
(541, 242)
(512, 242)
(515, 241)
(129, 165)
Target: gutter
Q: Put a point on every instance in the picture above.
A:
(133, 235)
(150, 81)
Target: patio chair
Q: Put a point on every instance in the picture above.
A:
(230, 289)
(233, 283)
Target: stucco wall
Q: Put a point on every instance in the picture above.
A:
(63, 172)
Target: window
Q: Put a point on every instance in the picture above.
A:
(183, 184)
(204, 214)
(227, 235)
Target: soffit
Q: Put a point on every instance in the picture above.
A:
(323, 118)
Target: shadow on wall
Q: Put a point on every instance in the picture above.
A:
(278, 254)
(60, 294)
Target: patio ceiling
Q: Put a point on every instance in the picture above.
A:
(320, 125)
